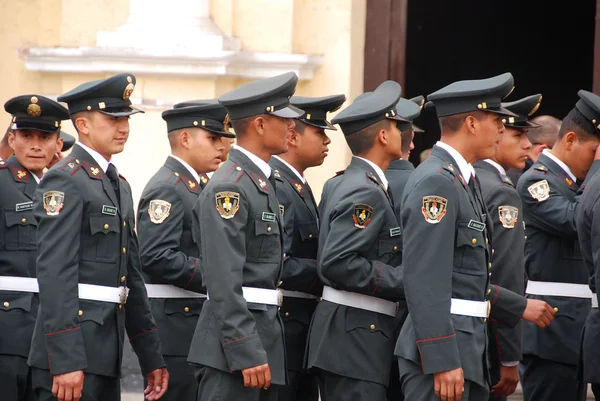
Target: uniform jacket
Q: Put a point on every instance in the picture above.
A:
(397, 175)
(168, 252)
(300, 243)
(241, 245)
(18, 310)
(447, 250)
(90, 238)
(588, 226)
(508, 260)
(359, 244)
(552, 253)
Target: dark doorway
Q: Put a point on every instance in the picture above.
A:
(548, 48)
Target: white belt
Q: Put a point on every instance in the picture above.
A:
(90, 292)
(467, 307)
(170, 291)
(255, 295)
(360, 301)
(558, 289)
(298, 294)
(594, 300)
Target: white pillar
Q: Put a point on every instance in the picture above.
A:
(167, 27)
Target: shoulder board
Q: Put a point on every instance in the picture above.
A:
(189, 183)
(541, 167)
(3, 164)
(93, 171)
(508, 180)
(20, 174)
(372, 177)
(70, 166)
(450, 167)
(341, 172)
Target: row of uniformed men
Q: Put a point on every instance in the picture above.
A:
(254, 233)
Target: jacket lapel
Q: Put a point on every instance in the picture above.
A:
(95, 173)
(303, 190)
(22, 175)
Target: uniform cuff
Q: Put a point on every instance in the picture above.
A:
(245, 353)
(66, 351)
(147, 348)
(439, 354)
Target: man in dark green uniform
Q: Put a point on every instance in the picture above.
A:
(399, 170)
(352, 333)
(506, 213)
(34, 138)
(301, 287)
(587, 229)
(237, 350)
(168, 251)
(91, 287)
(553, 261)
(447, 252)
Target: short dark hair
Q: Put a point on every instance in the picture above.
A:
(577, 123)
(240, 125)
(546, 133)
(300, 126)
(454, 122)
(361, 141)
(406, 136)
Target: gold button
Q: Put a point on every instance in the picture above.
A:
(493, 250)
(279, 284)
(395, 248)
(525, 237)
(80, 313)
(6, 304)
(473, 241)
(106, 226)
(124, 224)
(487, 241)
(238, 168)
(284, 255)
(490, 274)
(309, 236)
(269, 229)
(372, 327)
(120, 306)
(177, 174)
(124, 250)
(186, 309)
(287, 313)
(489, 265)
(23, 220)
(489, 291)
(122, 278)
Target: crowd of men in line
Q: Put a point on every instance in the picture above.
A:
(401, 283)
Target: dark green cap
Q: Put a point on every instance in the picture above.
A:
(589, 106)
(108, 96)
(316, 109)
(68, 141)
(35, 112)
(265, 96)
(208, 116)
(471, 95)
(523, 108)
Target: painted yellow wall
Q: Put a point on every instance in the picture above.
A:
(331, 28)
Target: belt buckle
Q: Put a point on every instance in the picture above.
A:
(489, 308)
(279, 297)
(123, 295)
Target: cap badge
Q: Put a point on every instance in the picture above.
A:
(128, 89)
(34, 109)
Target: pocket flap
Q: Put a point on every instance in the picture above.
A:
(371, 321)
(466, 236)
(390, 245)
(103, 223)
(14, 218)
(308, 231)
(10, 300)
(91, 311)
(266, 227)
(183, 306)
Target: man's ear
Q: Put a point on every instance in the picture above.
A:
(570, 139)
(382, 136)
(259, 124)
(185, 139)
(471, 124)
(11, 140)
(82, 124)
(294, 138)
(541, 148)
(59, 144)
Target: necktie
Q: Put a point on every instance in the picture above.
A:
(272, 182)
(391, 197)
(113, 176)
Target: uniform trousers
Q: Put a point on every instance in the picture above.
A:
(417, 386)
(15, 378)
(95, 387)
(182, 384)
(333, 387)
(545, 380)
(216, 385)
(303, 386)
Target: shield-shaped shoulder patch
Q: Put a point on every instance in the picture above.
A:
(434, 208)
(540, 191)
(362, 215)
(159, 210)
(54, 202)
(228, 204)
(508, 215)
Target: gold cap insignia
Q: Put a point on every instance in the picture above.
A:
(54, 202)
(540, 191)
(228, 204)
(158, 210)
(34, 110)
(362, 215)
(509, 216)
(434, 208)
(128, 90)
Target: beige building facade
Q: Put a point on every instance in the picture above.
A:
(182, 50)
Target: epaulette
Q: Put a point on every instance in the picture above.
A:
(190, 184)
(3, 164)
(507, 180)
(337, 174)
(373, 178)
(541, 168)
(20, 174)
(453, 173)
(450, 167)
(70, 166)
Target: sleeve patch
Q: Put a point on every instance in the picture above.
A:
(434, 208)
(54, 201)
(509, 215)
(540, 191)
(362, 215)
(159, 210)
(228, 204)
